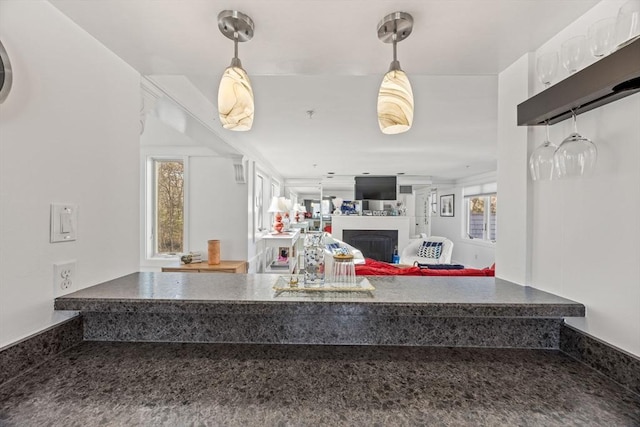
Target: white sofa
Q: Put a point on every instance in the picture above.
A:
(358, 257)
(410, 254)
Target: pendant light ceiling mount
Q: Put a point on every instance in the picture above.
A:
(395, 98)
(235, 25)
(399, 24)
(235, 95)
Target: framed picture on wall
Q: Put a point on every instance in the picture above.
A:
(446, 205)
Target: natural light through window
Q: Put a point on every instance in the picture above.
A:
(168, 235)
(259, 208)
(481, 212)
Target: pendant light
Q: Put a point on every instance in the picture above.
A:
(395, 98)
(235, 96)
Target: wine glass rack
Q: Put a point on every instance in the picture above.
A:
(611, 78)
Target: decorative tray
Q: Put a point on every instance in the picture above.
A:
(283, 284)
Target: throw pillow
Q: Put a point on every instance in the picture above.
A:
(430, 250)
(332, 246)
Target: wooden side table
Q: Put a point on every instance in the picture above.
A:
(204, 267)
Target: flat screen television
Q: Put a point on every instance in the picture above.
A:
(376, 188)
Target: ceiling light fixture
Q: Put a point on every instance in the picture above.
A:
(235, 96)
(395, 98)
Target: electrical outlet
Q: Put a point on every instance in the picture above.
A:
(64, 276)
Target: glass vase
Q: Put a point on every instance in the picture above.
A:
(314, 258)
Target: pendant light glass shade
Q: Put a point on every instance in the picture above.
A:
(395, 98)
(235, 96)
(395, 103)
(235, 100)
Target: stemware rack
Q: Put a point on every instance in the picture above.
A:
(611, 78)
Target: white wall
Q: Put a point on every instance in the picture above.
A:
(513, 220)
(343, 194)
(586, 232)
(470, 253)
(215, 204)
(585, 243)
(68, 133)
(217, 207)
(582, 235)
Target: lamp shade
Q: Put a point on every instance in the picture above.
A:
(395, 103)
(278, 204)
(282, 204)
(235, 100)
(275, 205)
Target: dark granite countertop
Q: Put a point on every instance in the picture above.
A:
(134, 384)
(253, 293)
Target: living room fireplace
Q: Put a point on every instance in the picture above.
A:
(376, 244)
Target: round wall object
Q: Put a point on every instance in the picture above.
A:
(6, 75)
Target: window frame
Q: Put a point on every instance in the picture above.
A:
(275, 192)
(486, 232)
(259, 203)
(479, 189)
(150, 198)
(433, 202)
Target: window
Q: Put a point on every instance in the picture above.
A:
(326, 207)
(433, 201)
(275, 192)
(275, 188)
(481, 217)
(481, 212)
(167, 206)
(259, 210)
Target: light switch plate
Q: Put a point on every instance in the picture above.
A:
(64, 222)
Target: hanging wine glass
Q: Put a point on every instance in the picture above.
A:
(541, 163)
(576, 155)
(547, 67)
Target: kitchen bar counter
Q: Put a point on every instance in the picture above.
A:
(417, 296)
(241, 308)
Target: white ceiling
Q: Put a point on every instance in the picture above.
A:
(324, 55)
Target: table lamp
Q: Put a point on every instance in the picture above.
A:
(277, 207)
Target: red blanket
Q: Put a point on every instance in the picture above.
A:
(378, 268)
